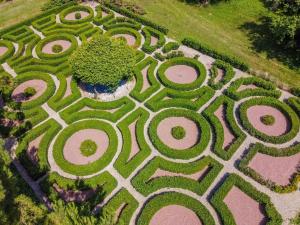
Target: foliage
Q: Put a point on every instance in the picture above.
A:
(267, 119)
(170, 46)
(55, 3)
(296, 220)
(29, 92)
(108, 61)
(57, 48)
(178, 132)
(77, 16)
(88, 148)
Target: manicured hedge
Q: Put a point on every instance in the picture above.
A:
(48, 129)
(93, 167)
(90, 34)
(275, 152)
(126, 30)
(137, 92)
(22, 33)
(294, 102)
(128, 204)
(148, 32)
(124, 164)
(76, 8)
(21, 78)
(138, 18)
(217, 200)
(100, 19)
(55, 37)
(9, 52)
(99, 110)
(173, 153)
(146, 184)
(218, 130)
(159, 201)
(195, 44)
(199, 67)
(35, 115)
(44, 22)
(75, 29)
(264, 88)
(284, 108)
(170, 46)
(140, 55)
(172, 98)
(228, 74)
(121, 22)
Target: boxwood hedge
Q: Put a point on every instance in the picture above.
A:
(76, 8)
(148, 32)
(228, 74)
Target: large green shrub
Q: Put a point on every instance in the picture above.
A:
(103, 61)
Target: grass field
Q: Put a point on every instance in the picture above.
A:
(221, 27)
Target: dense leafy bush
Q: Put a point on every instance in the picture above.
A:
(170, 46)
(267, 119)
(108, 61)
(77, 16)
(29, 92)
(178, 132)
(57, 48)
(88, 147)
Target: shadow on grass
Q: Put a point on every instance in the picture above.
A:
(262, 41)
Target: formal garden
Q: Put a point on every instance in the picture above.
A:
(102, 109)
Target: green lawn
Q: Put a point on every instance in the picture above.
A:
(220, 27)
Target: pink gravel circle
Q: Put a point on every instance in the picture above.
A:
(3, 50)
(40, 87)
(191, 129)
(181, 74)
(130, 39)
(71, 16)
(63, 43)
(280, 126)
(72, 151)
(175, 215)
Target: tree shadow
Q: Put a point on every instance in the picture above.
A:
(263, 42)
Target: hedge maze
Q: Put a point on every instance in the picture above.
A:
(140, 170)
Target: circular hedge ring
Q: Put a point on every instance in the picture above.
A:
(290, 116)
(182, 61)
(76, 9)
(95, 166)
(129, 31)
(160, 201)
(7, 49)
(189, 150)
(52, 39)
(28, 76)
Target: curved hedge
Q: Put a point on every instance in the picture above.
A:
(93, 167)
(145, 184)
(264, 88)
(274, 218)
(284, 108)
(130, 31)
(228, 74)
(9, 51)
(192, 152)
(148, 32)
(172, 98)
(170, 46)
(55, 37)
(137, 92)
(35, 115)
(45, 96)
(173, 198)
(199, 67)
(99, 18)
(76, 8)
(124, 164)
(275, 152)
(294, 102)
(218, 130)
(99, 110)
(121, 22)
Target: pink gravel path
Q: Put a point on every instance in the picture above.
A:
(195, 176)
(228, 136)
(48, 47)
(74, 196)
(71, 16)
(118, 212)
(191, 132)
(280, 126)
(181, 74)
(175, 215)
(72, 151)
(276, 169)
(129, 38)
(135, 148)
(246, 87)
(245, 210)
(220, 75)
(146, 83)
(68, 90)
(153, 41)
(40, 87)
(104, 14)
(2, 50)
(33, 147)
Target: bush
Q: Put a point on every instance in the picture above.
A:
(88, 148)
(77, 16)
(57, 48)
(170, 46)
(148, 32)
(267, 120)
(110, 61)
(29, 92)
(228, 74)
(178, 132)
(56, 3)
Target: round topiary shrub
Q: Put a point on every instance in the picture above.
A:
(88, 148)
(77, 16)
(57, 48)
(29, 92)
(267, 120)
(103, 61)
(178, 132)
